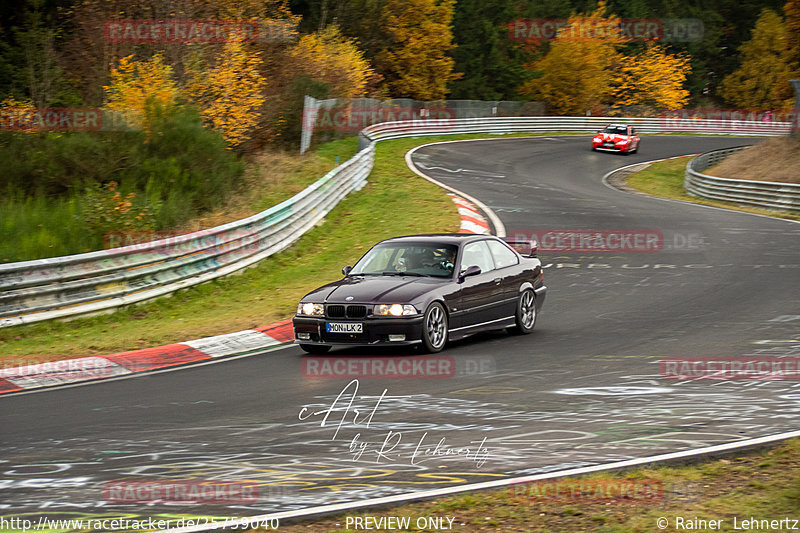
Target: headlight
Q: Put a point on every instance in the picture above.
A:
(394, 310)
(624, 141)
(597, 139)
(310, 309)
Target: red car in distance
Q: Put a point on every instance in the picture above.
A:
(616, 138)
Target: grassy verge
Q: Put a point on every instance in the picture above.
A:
(268, 292)
(665, 179)
(395, 202)
(763, 485)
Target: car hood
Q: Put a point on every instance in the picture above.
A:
(613, 136)
(375, 289)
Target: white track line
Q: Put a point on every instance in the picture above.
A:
(684, 202)
(436, 493)
(499, 228)
(428, 494)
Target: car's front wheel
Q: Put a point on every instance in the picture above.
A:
(434, 328)
(526, 313)
(314, 348)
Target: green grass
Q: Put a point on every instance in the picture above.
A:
(40, 226)
(665, 179)
(394, 202)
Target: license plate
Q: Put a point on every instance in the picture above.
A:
(344, 327)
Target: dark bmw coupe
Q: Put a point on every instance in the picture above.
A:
(426, 289)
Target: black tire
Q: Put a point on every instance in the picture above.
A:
(434, 328)
(525, 316)
(315, 348)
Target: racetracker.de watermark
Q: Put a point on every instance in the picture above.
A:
(728, 120)
(589, 490)
(194, 491)
(354, 119)
(731, 368)
(234, 243)
(593, 240)
(70, 369)
(197, 31)
(50, 119)
(599, 29)
(406, 367)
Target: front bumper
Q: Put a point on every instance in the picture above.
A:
(376, 331)
(614, 148)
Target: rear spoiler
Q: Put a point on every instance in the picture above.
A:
(527, 248)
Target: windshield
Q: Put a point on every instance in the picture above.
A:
(414, 259)
(619, 130)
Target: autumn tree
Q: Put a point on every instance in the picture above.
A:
(136, 88)
(576, 73)
(231, 93)
(414, 61)
(764, 71)
(329, 57)
(791, 11)
(653, 78)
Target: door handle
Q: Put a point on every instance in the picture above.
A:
(497, 281)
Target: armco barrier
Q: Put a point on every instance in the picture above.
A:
(501, 125)
(60, 287)
(767, 194)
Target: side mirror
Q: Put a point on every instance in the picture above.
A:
(473, 270)
(346, 270)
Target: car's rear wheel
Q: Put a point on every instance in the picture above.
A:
(434, 328)
(314, 348)
(526, 313)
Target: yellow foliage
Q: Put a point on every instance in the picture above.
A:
(577, 73)
(762, 79)
(329, 57)
(136, 85)
(414, 63)
(653, 78)
(14, 113)
(231, 93)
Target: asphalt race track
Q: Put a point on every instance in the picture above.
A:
(584, 389)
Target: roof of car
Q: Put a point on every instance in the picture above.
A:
(445, 238)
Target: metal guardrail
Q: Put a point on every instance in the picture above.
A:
(501, 125)
(32, 291)
(767, 194)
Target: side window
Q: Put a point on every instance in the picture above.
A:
(477, 253)
(503, 257)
